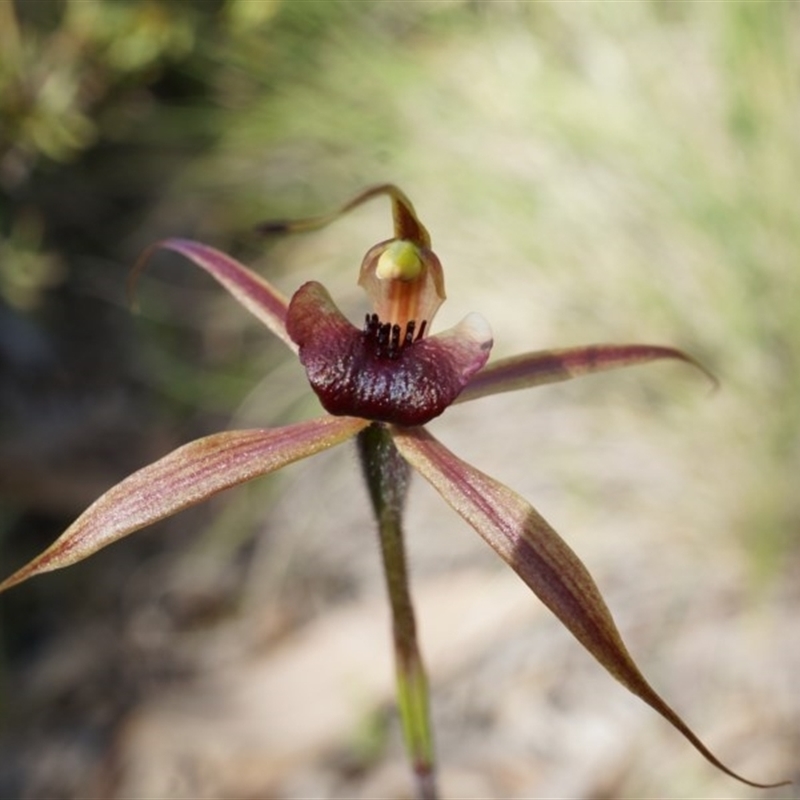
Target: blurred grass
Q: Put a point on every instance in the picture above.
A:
(618, 171)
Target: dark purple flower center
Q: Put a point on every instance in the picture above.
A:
(384, 372)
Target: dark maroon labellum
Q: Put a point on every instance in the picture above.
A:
(361, 377)
(380, 373)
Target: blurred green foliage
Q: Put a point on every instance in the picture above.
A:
(73, 77)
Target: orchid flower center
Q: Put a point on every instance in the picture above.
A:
(390, 371)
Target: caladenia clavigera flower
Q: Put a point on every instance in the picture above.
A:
(380, 384)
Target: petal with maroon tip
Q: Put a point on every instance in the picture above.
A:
(186, 476)
(522, 538)
(552, 366)
(353, 375)
(251, 290)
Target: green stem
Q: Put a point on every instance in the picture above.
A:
(387, 474)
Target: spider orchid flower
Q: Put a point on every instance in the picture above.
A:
(380, 384)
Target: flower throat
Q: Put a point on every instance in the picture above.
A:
(385, 336)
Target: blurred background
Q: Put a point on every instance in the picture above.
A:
(589, 172)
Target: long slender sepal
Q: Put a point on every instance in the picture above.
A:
(186, 476)
(551, 366)
(258, 296)
(406, 223)
(386, 475)
(524, 540)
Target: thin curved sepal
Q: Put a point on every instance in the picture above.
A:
(257, 295)
(406, 223)
(524, 540)
(186, 476)
(551, 366)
